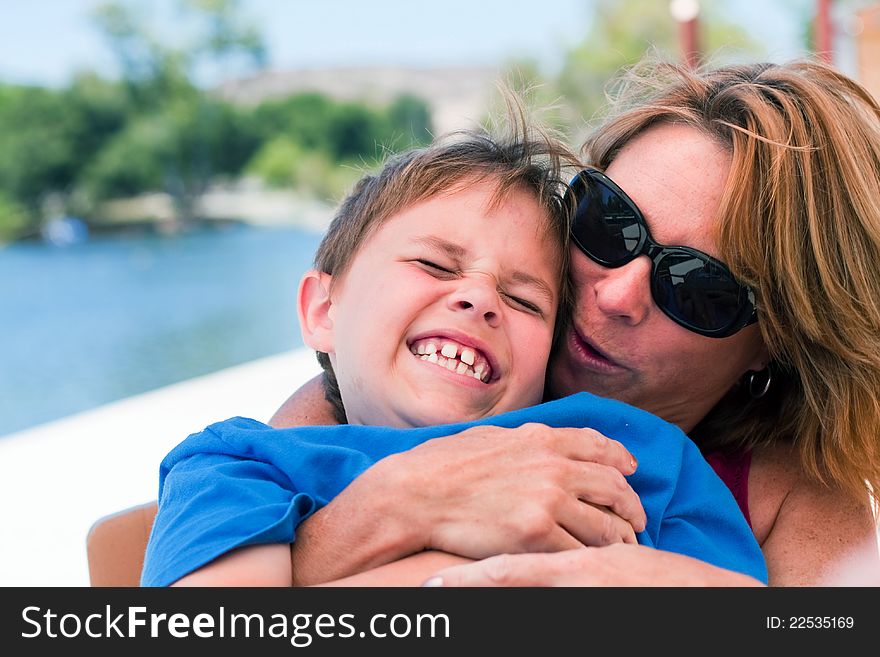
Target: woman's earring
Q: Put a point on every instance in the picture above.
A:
(759, 382)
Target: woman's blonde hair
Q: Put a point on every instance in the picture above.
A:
(800, 223)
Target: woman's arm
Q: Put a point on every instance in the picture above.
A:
(611, 565)
(809, 534)
(305, 407)
(484, 491)
(526, 488)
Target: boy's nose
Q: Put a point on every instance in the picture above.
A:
(478, 298)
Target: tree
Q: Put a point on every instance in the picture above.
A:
(36, 145)
(619, 34)
(15, 220)
(180, 135)
(320, 145)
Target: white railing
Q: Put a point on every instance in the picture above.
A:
(56, 479)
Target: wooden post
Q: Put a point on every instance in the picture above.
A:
(685, 13)
(690, 43)
(823, 31)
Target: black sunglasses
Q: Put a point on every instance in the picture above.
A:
(692, 288)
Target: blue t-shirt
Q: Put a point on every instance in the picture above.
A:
(240, 482)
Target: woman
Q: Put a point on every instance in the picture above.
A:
(771, 170)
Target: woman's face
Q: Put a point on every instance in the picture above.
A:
(621, 345)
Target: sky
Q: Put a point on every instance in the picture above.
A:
(46, 41)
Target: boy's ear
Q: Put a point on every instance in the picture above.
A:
(313, 307)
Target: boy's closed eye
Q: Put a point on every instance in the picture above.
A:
(435, 269)
(522, 304)
(515, 301)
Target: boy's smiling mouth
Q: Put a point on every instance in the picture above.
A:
(450, 354)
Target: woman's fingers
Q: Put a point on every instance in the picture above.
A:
(604, 486)
(595, 526)
(583, 445)
(553, 569)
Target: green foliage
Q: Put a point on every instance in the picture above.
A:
(93, 141)
(282, 163)
(412, 117)
(36, 144)
(276, 161)
(618, 35)
(309, 132)
(97, 109)
(155, 130)
(304, 117)
(132, 162)
(14, 218)
(345, 130)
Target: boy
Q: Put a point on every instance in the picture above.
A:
(434, 300)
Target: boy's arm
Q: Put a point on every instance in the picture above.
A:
(255, 565)
(410, 571)
(269, 565)
(240, 483)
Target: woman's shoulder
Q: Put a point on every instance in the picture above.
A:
(774, 473)
(806, 528)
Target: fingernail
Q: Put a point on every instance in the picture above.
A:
(434, 581)
(633, 463)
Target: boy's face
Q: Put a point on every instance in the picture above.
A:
(447, 312)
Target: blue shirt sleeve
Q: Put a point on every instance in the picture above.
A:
(241, 482)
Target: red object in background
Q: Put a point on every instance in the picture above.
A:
(690, 44)
(823, 31)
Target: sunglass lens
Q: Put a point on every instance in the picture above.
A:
(606, 226)
(696, 292)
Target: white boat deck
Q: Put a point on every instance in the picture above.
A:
(56, 479)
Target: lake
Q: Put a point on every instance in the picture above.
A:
(87, 324)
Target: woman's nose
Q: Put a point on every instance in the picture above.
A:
(479, 298)
(624, 292)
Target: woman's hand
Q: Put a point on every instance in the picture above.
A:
(485, 491)
(612, 565)
(489, 490)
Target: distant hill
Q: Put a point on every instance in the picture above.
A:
(457, 96)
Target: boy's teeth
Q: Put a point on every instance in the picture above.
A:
(469, 362)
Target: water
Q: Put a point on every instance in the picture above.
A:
(88, 324)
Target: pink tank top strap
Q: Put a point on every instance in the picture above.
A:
(733, 469)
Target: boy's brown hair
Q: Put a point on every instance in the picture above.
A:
(521, 158)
